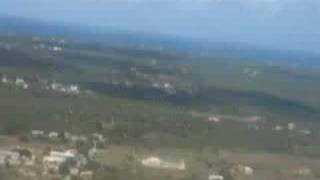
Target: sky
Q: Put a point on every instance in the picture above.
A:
(287, 24)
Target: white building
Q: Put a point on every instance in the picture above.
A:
(245, 170)
(56, 86)
(78, 138)
(215, 177)
(156, 162)
(292, 126)
(305, 132)
(214, 119)
(4, 80)
(56, 48)
(56, 158)
(53, 135)
(21, 83)
(277, 128)
(37, 133)
(74, 89)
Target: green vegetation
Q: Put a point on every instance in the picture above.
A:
(123, 103)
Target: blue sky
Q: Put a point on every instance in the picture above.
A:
(288, 24)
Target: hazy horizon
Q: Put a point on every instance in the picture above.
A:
(280, 24)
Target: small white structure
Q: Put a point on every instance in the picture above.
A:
(4, 80)
(53, 135)
(245, 170)
(169, 88)
(305, 132)
(156, 162)
(56, 158)
(215, 177)
(277, 128)
(156, 85)
(21, 83)
(292, 126)
(214, 119)
(56, 48)
(78, 138)
(74, 89)
(56, 86)
(37, 133)
(25, 86)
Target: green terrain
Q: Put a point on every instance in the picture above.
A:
(153, 99)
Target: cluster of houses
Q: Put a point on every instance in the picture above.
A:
(257, 122)
(17, 81)
(292, 127)
(167, 87)
(75, 162)
(29, 164)
(69, 137)
(50, 162)
(59, 87)
(41, 43)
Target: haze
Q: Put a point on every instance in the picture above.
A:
(281, 24)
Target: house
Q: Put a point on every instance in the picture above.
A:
(56, 158)
(243, 170)
(292, 126)
(53, 135)
(169, 88)
(215, 177)
(4, 80)
(156, 85)
(74, 89)
(78, 138)
(56, 48)
(277, 128)
(214, 119)
(305, 132)
(21, 83)
(37, 133)
(156, 162)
